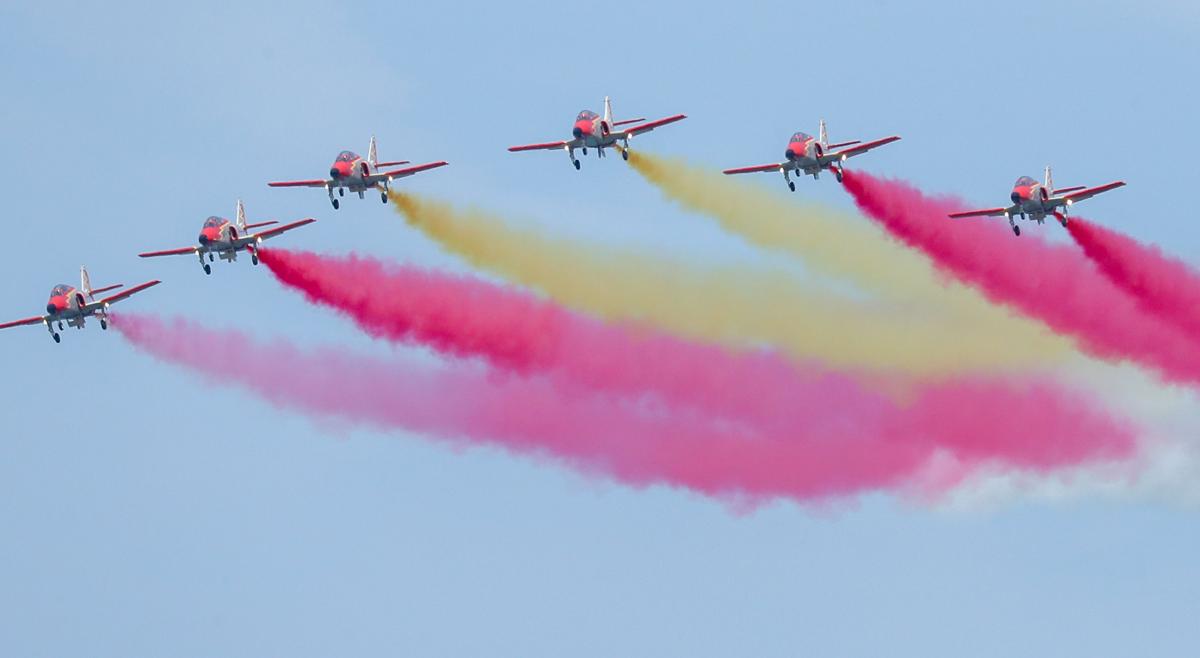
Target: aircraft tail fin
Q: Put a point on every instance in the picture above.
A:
(372, 154)
(241, 217)
(1049, 183)
(85, 285)
(823, 135)
(608, 115)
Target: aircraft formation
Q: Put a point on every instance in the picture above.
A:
(221, 238)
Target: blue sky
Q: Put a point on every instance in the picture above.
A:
(147, 513)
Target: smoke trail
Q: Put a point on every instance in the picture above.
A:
(530, 416)
(1055, 284)
(730, 305)
(834, 242)
(1164, 286)
(1012, 421)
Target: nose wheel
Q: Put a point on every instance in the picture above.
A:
(1016, 230)
(57, 338)
(336, 205)
(792, 185)
(207, 268)
(576, 164)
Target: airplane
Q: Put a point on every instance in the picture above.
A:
(1034, 200)
(220, 238)
(73, 305)
(808, 156)
(592, 130)
(351, 172)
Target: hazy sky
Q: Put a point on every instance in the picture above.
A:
(146, 512)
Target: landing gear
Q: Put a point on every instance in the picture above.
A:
(57, 338)
(383, 197)
(1016, 230)
(585, 150)
(336, 205)
(207, 268)
(254, 259)
(341, 191)
(792, 185)
(211, 258)
(837, 173)
(625, 154)
(103, 324)
(576, 164)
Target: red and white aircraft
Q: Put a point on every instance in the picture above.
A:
(221, 238)
(1034, 200)
(808, 156)
(351, 172)
(73, 305)
(592, 130)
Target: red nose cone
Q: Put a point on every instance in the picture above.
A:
(57, 304)
(339, 170)
(582, 127)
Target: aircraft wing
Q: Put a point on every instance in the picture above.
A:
(647, 127)
(270, 233)
(401, 173)
(986, 212)
(21, 323)
(300, 183)
(857, 149)
(754, 169)
(129, 292)
(170, 252)
(544, 146)
(1090, 192)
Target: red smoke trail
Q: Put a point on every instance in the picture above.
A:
(1055, 284)
(1162, 285)
(1036, 425)
(532, 416)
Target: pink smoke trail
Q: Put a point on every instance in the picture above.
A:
(530, 416)
(1014, 421)
(1055, 284)
(1164, 286)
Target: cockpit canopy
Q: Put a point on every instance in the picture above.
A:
(214, 222)
(347, 156)
(1024, 181)
(587, 115)
(800, 137)
(61, 290)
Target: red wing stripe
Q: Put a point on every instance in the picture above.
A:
(655, 124)
(412, 170)
(978, 213)
(299, 183)
(535, 147)
(169, 252)
(755, 168)
(863, 148)
(130, 292)
(1093, 191)
(286, 227)
(20, 323)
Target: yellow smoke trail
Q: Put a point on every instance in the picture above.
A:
(729, 305)
(836, 243)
